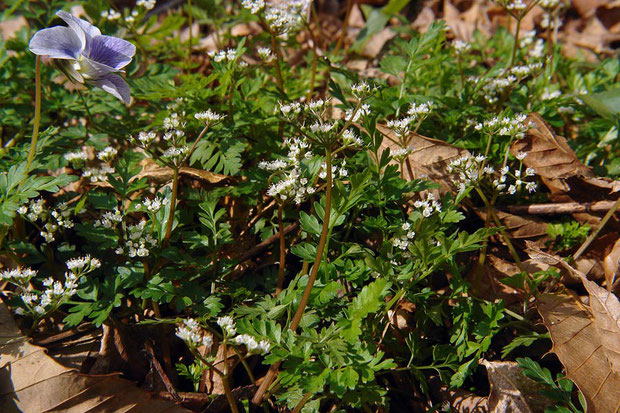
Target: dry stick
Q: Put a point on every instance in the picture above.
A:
(273, 370)
(592, 236)
(560, 208)
(282, 252)
(506, 238)
(345, 26)
(162, 374)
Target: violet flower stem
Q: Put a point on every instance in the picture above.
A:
(37, 114)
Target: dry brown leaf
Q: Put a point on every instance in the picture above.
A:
(464, 23)
(558, 166)
(429, 157)
(580, 347)
(549, 154)
(31, 381)
(162, 174)
(377, 41)
(519, 226)
(611, 265)
(511, 391)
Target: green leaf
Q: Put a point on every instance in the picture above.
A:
(606, 104)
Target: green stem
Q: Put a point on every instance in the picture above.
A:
(320, 249)
(273, 370)
(173, 201)
(592, 236)
(281, 267)
(516, 43)
(506, 238)
(37, 115)
(402, 85)
(302, 402)
(278, 64)
(190, 21)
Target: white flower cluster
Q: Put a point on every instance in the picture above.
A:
(228, 55)
(227, 324)
(230, 329)
(286, 16)
(175, 153)
(421, 111)
(146, 138)
(35, 208)
(341, 171)
(506, 126)
(401, 127)
(107, 154)
(193, 335)
(538, 50)
(82, 265)
(19, 276)
(461, 46)
(109, 219)
(402, 242)
(152, 205)
(77, 157)
(527, 38)
(209, 116)
(516, 5)
(402, 153)
(174, 121)
(350, 138)
(51, 222)
(254, 6)
(99, 174)
(361, 90)
(501, 183)
(549, 4)
(351, 115)
(252, 344)
(525, 70)
(291, 184)
(290, 110)
(139, 241)
(147, 4)
(132, 17)
(468, 168)
(265, 54)
(52, 296)
(111, 15)
(428, 206)
(38, 303)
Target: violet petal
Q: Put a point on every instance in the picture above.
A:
(56, 42)
(83, 28)
(111, 51)
(114, 85)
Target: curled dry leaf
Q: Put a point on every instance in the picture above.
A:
(558, 166)
(611, 265)
(429, 157)
(511, 391)
(519, 226)
(579, 346)
(31, 381)
(162, 174)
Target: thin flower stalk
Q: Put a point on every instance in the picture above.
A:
(273, 370)
(37, 114)
(282, 264)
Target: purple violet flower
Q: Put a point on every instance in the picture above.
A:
(84, 55)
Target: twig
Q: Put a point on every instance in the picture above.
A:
(160, 371)
(259, 247)
(560, 208)
(592, 236)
